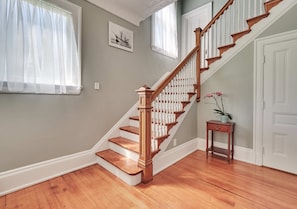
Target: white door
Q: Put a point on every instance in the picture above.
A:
(280, 105)
(199, 17)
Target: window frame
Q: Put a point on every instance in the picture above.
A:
(159, 49)
(76, 12)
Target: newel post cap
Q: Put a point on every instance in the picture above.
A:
(145, 88)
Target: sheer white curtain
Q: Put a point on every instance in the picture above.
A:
(38, 49)
(164, 31)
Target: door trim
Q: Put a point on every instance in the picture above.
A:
(259, 45)
(185, 18)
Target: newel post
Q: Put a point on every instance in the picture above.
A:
(145, 154)
(198, 64)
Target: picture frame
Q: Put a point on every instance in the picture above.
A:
(120, 37)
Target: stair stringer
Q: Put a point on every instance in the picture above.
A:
(275, 13)
(166, 158)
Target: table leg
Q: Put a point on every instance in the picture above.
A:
(232, 144)
(211, 142)
(228, 148)
(206, 143)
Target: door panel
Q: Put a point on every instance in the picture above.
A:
(280, 112)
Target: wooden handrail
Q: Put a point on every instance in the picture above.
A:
(160, 88)
(215, 18)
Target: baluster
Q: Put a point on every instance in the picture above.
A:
(238, 16)
(262, 9)
(224, 35)
(232, 20)
(256, 7)
(228, 26)
(206, 51)
(249, 9)
(202, 51)
(214, 40)
(210, 40)
(239, 22)
(244, 15)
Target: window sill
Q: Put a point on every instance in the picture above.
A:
(43, 89)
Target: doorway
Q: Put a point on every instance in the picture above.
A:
(275, 120)
(199, 17)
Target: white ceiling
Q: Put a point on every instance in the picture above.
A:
(134, 11)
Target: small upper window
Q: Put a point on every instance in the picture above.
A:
(164, 31)
(40, 47)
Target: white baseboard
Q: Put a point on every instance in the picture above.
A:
(240, 153)
(20, 178)
(173, 155)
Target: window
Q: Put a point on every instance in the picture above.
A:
(40, 47)
(164, 31)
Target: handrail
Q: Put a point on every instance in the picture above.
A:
(218, 15)
(178, 68)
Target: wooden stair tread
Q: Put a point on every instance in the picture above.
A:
(131, 129)
(212, 59)
(222, 49)
(136, 117)
(123, 163)
(238, 35)
(254, 20)
(126, 143)
(203, 69)
(270, 4)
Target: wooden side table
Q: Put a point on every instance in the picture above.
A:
(228, 127)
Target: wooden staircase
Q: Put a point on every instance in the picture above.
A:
(123, 152)
(129, 155)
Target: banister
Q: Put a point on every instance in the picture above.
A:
(160, 88)
(215, 18)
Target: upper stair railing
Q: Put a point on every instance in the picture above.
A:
(160, 108)
(234, 20)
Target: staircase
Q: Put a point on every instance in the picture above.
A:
(129, 151)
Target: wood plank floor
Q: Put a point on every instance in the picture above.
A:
(193, 182)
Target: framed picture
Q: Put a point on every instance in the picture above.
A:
(120, 37)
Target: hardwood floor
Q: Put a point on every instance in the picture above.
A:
(193, 182)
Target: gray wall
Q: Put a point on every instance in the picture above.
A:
(189, 5)
(35, 128)
(235, 79)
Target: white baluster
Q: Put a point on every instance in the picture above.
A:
(202, 51)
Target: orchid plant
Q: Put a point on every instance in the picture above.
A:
(218, 101)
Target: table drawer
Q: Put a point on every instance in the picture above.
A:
(216, 127)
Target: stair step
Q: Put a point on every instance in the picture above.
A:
(222, 49)
(270, 4)
(126, 143)
(212, 59)
(136, 117)
(254, 20)
(131, 129)
(121, 162)
(238, 35)
(203, 69)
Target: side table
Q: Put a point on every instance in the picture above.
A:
(214, 125)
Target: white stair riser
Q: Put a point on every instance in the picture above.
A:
(128, 135)
(129, 179)
(132, 155)
(134, 123)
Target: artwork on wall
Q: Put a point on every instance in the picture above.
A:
(120, 37)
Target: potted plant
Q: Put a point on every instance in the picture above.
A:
(218, 101)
